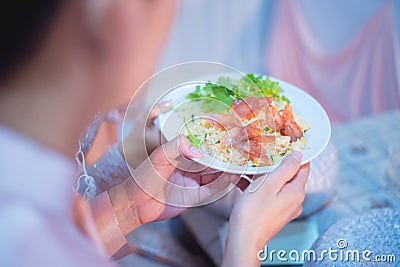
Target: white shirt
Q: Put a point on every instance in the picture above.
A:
(36, 197)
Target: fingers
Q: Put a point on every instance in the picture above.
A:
(152, 139)
(187, 149)
(186, 192)
(295, 189)
(300, 179)
(286, 170)
(216, 187)
(208, 178)
(159, 108)
(155, 172)
(177, 147)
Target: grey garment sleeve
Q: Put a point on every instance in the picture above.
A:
(109, 170)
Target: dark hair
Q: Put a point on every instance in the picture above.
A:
(23, 25)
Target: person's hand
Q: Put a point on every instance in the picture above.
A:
(145, 136)
(257, 216)
(164, 185)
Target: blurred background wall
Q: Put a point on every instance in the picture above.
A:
(344, 53)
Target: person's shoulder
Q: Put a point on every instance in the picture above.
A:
(30, 237)
(18, 220)
(19, 224)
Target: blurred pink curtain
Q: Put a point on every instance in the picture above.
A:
(362, 77)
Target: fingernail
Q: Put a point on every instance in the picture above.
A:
(195, 151)
(165, 106)
(297, 156)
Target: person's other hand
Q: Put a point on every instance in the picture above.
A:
(257, 216)
(164, 185)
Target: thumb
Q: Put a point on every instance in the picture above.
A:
(166, 158)
(286, 170)
(180, 146)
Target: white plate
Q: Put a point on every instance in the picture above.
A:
(302, 103)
